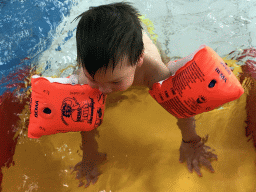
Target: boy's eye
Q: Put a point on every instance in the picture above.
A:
(112, 82)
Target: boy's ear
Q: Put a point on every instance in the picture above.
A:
(140, 62)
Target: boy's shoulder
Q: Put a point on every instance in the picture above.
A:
(153, 67)
(154, 71)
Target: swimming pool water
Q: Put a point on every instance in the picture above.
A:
(40, 33)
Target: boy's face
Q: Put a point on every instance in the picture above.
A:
(119, 80)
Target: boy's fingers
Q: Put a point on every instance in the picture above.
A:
(189, 163)
(207, 164)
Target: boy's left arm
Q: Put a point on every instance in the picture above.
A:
(187, 127)
(194, 150)
(192, 147)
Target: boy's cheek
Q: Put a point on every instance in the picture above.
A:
(123, 87)
(126, 85)
(120, 88)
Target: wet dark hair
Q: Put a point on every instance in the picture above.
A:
(106, 34)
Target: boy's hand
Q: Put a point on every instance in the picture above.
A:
(87, 170)
(196, 153)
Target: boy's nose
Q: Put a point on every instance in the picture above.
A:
(105, 90)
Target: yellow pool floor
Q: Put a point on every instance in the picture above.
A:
(142, 143)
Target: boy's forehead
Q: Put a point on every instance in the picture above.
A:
(120, 69)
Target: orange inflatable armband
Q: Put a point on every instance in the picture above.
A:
(202, 82)
(57, 106)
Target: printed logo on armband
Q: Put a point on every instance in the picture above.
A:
(99, 119)
(47, 92)
(75, 111)
(41, 128)
(36, 109)
(201, 99)
(102, 98)
(222, 76)
(30, 104)
(226, 67)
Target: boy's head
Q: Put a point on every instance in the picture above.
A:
(110, 46)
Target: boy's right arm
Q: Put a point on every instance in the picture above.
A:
(88, 167)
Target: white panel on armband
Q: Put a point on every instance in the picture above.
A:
(174, 66)
(73, 79)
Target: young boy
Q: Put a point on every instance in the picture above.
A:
(114, 53)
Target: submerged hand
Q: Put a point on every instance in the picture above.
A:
(196, 153)
(87, 170)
